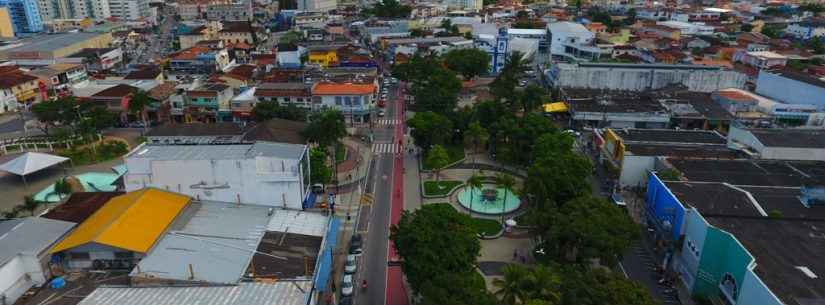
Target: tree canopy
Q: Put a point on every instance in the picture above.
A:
(435, 242)
(267, 110)
(389, 9)
(430, 128)
(598, 287)
(467, 62)
(319, 171)
(326, 127)
(76, 117)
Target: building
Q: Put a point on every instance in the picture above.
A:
(636, 152)
(806, 29)
(317, 5)
(618, 112)
(323, 56)
(25, 15)
(355, 100)
(59, 78)
(779, 144)
(199, 60)
(249, 293)
(497, 47)
(275, 130)
(24, 256)
(6, 26)
(235, 32)
(229, 10)
(129, 10)
(97, 59)
(807, 90)
(735, 227)
(298, 94)
(119, 233)
(269, 174)
(540, 35)
(465, 5)
(208, 103)
(753, 108)
(761, 59)
(640, 77)
(61, 10)
(689, 28)
(48, 49)
(24, 87)
(289, 56)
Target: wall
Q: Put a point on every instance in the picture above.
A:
(777, 87)
(12, 279)
(640, 78)
(722, 254)
(96, 252)
(755, 292)
(741, 136)
(663, 205)
(635, 169)
(259, 181)
(687, 260)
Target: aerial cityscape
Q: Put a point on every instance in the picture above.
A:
(412, 152)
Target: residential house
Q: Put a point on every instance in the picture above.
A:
(115, 99)
(660, 31)
(761, 59)
(238, 77)
(573, 40)
(261, 173)
(289, 56)
(146, 72)
(229, 10)
(297, 94)
(23, 86)
(239, 31)
(97, 59)
(59, 78)
(199, 60)
(24, 255)
(323, 56)
(355, 100)
(208, 103)
(119, 233)
(689, 28)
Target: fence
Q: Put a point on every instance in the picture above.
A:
(37, 143)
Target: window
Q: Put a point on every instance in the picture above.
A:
(356, 101)
(286, 99)
(79, 255)
(338, 100)
(348, 101)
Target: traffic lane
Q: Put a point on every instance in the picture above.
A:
(377, 239)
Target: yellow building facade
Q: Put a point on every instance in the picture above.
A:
(323, 58)
(6, 29)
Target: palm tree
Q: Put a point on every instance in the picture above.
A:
(506, 182)
(511, 287)
(61, 187)
(476, 135)
(515, 65)
(474, 182)
(138, 104)
(29, 204)
(544, 285)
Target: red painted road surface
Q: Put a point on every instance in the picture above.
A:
(396, 292)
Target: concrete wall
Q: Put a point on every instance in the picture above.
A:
(635, 169)
(264, 181)
(687, 260)
(755, 292)
(13, 282)
(663, 206)
(777, 87)
(640, 79)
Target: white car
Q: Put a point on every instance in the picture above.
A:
(346, 285)
(351, 265)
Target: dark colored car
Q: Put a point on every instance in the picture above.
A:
(355, 244)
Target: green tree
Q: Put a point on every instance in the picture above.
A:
(630, 16)
(430, 128)
(746, 27)
(418, 33)
(504, 86)
(598, 287)
(290, 37)
(326, 127)
(391, 9)
(588, 227)
(544, 284)
(319, 170)
(435, 241)
(53, 114)
(817, 45)
(138, 106)
(507, 183)
(812, 7)
(437, 158)
(771, 32)
(62, 188)
(456, 289)
(476, 135)
(513, 138)
(268, 110)
(30, 205)
(467, 62)
(437, 92)
(531, 98)
(474, 182)
(511, 287)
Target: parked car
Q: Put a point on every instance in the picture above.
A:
(355, 245)
(345, 301)
(346, 285)
(382, 103)
(351, 264)
(381, 113)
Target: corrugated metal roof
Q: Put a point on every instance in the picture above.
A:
(217, 239)
(29, 235)
(218, 152)
(133, 221)
(298, 222)
(279, 293)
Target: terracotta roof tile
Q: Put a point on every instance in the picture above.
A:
(342, 89)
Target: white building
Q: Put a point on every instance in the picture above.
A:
(270, 174)
(73, 9)
(640, 77)
(24, 256)
(779, 144)
(792, 88)
(355, 100)
(467, 5)
(129, 9)
(8, 101)
(317, 5)
(539, 35)
(689, 28)
(572, 40)
(806, 29)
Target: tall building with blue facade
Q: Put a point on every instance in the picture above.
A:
(25, 15)
(498, 47)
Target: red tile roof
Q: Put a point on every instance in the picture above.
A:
(342, 89)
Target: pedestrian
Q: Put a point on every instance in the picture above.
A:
(515, 254)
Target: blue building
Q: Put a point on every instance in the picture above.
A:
(498, 47)
(25, 16)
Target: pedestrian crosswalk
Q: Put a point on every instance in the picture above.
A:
(388, 122)
(386, 148)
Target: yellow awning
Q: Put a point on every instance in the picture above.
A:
(555, 107)
(132, 221)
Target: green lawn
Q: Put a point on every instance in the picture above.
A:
(455, 151)
(433, 189)
(487, 226)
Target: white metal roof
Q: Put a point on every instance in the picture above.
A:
(298, 222)
(31, 162)
(278, 293)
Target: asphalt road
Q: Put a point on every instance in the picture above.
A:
(382, 181)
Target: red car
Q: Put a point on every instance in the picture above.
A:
(381, 103)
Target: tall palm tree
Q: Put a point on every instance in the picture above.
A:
(474, 182)
(61, 188)
(476, 135)
(544, 285)
(511, 287)
(506, 182)
(515, 65)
